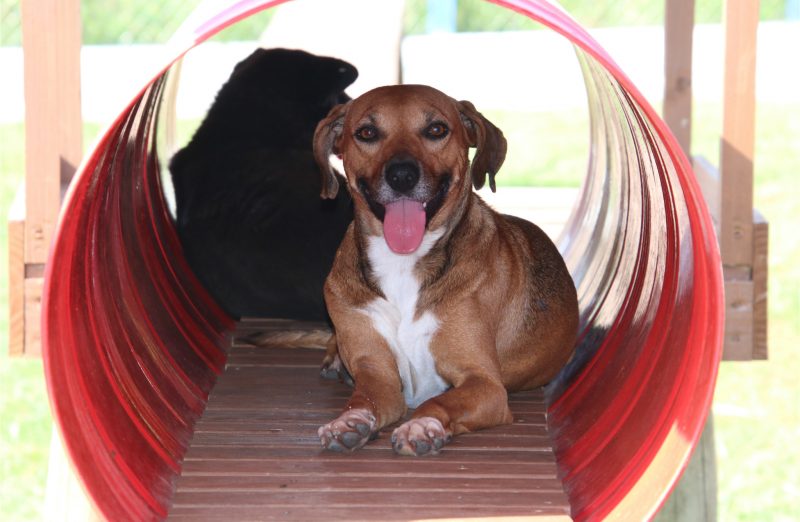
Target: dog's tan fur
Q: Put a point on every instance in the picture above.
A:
(505, 304)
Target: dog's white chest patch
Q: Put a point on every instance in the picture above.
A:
(394, 318)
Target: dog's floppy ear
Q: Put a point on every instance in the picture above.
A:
(326, 142)
(489, 141)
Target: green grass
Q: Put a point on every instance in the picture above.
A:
(757, 417)
(756, 412)
(24, 410)
(545, 149)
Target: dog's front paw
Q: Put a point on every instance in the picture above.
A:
(422, 436)
(350, 431)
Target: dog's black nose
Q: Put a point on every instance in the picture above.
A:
(402, 176)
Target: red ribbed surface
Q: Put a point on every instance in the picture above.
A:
(132, 344)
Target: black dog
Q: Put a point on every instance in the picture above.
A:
(249, 215)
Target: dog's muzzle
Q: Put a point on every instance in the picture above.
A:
(403, 203)
(402, 175)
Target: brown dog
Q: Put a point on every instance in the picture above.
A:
(438, 302)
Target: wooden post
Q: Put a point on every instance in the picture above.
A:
(738, 135)
(743, 235)
(51, 39)
(695, 495)
(678, 39)
(16, 274)
(760, 272)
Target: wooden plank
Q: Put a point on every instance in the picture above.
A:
(738, 344)
(255, 454)
(375, 464)
(51, 37)
(251, 442)
(300, 484)
(711, 186)
(359, 513)
(277, 426)
(678, 33)
(33, 316)
(263, 418)
(738, 138)
(16, 274)
(378, 497)
(736, 333)
(695, 496)
(760, 273)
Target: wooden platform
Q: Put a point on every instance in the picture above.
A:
(256, 456)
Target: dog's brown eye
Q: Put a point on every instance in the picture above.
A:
(436, 130)
(367, 133)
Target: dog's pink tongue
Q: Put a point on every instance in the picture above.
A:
(404, 225)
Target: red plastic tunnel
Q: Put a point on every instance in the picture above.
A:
(132, 344)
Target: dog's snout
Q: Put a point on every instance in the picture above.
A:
(402, 176)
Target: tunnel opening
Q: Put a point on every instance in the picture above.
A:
(133, 345)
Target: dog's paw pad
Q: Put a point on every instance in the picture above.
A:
(333, 369)
(350, 431)
(417, 437)
(329, 373)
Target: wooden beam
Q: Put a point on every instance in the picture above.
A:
(16, 274)
(678, 35)
(708, 178)
(742, 282)
(738, 345)
(738, 137)
(34, 288)
(51, 39)
(760, 272)
(695, 496)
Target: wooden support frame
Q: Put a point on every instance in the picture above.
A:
(53, 130)
(738, 132)
(728, 191)
(743, 232)
(16, 274)
(678, 41)
(51, 39)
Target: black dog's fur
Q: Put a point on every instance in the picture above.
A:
(249, 216)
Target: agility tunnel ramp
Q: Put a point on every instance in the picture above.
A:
(133, 346)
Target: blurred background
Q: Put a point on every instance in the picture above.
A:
(542, 110)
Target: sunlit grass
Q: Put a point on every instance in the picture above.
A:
(24, 411)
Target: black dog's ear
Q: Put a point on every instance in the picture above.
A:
(490, 143)
(326, 142)
(336, 74)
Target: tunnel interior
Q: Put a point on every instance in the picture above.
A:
(133, 344)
